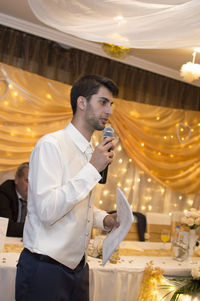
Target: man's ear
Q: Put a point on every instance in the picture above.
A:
(16, 180)
(81, 103)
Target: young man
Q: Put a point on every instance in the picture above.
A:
(13, 200)
(61, 213)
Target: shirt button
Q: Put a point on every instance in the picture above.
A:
(88, 221)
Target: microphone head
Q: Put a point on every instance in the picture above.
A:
(108, 132)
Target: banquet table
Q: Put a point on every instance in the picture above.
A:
(113, 282)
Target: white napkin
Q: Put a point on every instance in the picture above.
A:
(125, 218)
(3, 230)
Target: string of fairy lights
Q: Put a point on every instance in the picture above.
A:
(143, 193)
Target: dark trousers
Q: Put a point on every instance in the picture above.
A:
(41, 278)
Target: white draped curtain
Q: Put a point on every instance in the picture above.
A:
(153, 24)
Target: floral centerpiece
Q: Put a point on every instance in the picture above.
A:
(191, 218)
(95, 248)
(184, 285)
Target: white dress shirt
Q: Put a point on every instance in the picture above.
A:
(61, 211)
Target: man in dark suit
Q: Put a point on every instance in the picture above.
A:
(13, 200)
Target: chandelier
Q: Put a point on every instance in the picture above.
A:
(191, 70)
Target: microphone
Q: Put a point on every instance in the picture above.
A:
(107, 132)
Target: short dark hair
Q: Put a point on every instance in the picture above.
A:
(89, 85)
(20, 169)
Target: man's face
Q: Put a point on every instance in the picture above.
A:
(99, 108)
(21, 184)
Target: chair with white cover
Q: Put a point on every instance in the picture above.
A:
(156, 222)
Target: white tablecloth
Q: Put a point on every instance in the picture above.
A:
(113, 282)
(122, 281)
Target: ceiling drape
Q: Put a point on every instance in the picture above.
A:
(155, 24)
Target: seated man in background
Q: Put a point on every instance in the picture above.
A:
(13, 200)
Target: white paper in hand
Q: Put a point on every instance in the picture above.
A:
(125, 218)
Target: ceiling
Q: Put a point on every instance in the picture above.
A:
(165, 62)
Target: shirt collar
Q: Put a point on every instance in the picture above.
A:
(19, 195)
(78, 138)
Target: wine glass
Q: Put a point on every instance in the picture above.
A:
(165, 237)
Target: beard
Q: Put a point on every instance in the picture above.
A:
(93, 120)
(95, 124)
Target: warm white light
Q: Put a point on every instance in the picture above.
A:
(125, 188)
(100, 202)
(119, 148)
(119, 18)
(196, 299)
(130, 160)
(190, 71)
(120, 160)
(49, 96)
(119, 184)
(138, 180)
(13, 133)
(197, 50)
(105, 192)
(149, 179)
(186, 298)
(172, 288)
(190, 202)
(180, 197)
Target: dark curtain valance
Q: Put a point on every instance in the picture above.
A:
(49, 59)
